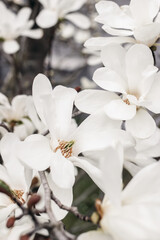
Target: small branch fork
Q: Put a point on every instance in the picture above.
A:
(58, 230)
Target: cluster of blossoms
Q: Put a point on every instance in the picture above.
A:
(42, 146)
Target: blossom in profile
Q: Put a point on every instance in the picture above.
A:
(131, 213)
(59, 9)
(14, 25)
(133, 75)
(128, 20)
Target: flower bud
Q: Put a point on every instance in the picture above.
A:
(34, 199)
(10, 222)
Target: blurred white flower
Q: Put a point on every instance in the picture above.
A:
(14, 25)
(16, 115)
(132, 74)
(59, 9)
(132, 213)
(128, 20)
(86, 83)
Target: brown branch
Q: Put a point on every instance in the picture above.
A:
(73, 210)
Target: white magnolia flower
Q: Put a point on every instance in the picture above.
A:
(17, 115)
(14, 25)
(133, 75)
(55, 9)
(86, 83)
(132, 213)
(60, 151)
(129, 20)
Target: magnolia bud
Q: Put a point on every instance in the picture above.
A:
(34, 199)
(10, 222)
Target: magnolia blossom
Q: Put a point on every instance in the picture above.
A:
(132, 213)
(55, 9)
(127, 20)
(60, 150)
(17, 115)
(133, 75)
(14, 25)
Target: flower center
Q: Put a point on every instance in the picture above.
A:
(66, 148)
(19, 194)
(126, 101)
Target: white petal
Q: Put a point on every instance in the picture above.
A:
(94, 172)
(90, 101)
(138, 59)
(35, 152)
(79, 20)
(147, 34)
(23, 15)
(62, 171)
(41, 86)
(145, 184)
(145, 17)
(47, 18)
(111, 167)
(142, 125)
(94, 235)
(10, 46)
(118, 109)
(33, 33)
(109, 80)
(99, 42)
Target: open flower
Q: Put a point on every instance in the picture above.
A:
(17, 115)
(53, 10)
(132, 74)
(14, 25)
(127, 20)
(61, 149)
(132, 213)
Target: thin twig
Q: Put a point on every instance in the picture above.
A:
(73, 210)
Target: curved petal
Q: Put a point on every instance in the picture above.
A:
(35, 152)
(47, 18)
(138, 59)
(23, 15)
(33, 33)
(145, 184)
(62, 171)
(113, 15)
(10, 46)
(98, 42)
(147, 34)
(90, 101)
(79, 20)
(41, 86)
(142, 125)
(118, 109)
(109, 80)
(145, 17)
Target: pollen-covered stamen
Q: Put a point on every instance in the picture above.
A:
(126, 101)
(19, 194)
(66, 148)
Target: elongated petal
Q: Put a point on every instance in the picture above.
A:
(142, 125)
(98, 42)
(41, 86)
(62, 171)
(138, 59)
(145, 184)
(33, 33)
(79, 20)
(118, 109)
(47, 18)
(35, 152)
(90, 101)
